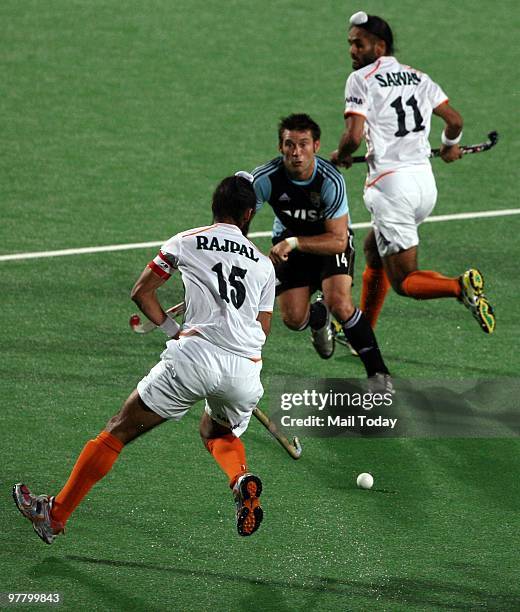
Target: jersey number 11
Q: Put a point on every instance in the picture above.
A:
(397, 104)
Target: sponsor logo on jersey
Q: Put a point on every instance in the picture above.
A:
(390, 79)
(303, 214)
(354, 100)
(225, 246)
(284, 198)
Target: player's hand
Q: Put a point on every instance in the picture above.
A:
(450, 154)
(280, 252)
(345, 161)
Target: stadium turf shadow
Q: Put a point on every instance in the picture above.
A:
(99, 589)
(449, 595)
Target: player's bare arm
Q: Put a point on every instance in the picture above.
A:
(350, 140)
(144, 294)
(264, 318)
(452, 132)
(332, 241)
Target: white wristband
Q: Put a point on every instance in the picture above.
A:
(449, 142)
(169, 327)
(292, 241)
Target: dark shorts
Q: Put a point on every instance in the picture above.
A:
(308, 270)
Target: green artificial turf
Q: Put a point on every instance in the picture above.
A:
(118, 121)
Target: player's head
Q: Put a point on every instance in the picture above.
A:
(234, 201)
(298, 142)
(369, 38)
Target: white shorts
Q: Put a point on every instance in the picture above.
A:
(192, 369)
(399, 202)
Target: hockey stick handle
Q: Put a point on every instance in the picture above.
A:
(294, 449)
(466, 149)
(147, 326)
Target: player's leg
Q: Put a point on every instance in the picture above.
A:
(375, 283)
(99, 455)
(49, 515)
(337, 293)
(297, 278)
(399, 204)
(407, 280)
(226, 417)
(227, 450)
(294, 307)
(165, 393)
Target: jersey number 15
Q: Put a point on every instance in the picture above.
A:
(239, 294)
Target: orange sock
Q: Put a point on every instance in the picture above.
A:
(95, 461)
(229, 452)
(373, 292)
(428, 285)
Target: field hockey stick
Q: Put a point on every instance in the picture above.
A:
(466, 149)
(294, 448)
(144, 327)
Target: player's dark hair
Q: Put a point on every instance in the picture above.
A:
(233, 196)
(299, 122)
(380, 28)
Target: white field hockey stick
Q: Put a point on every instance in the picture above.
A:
(294, 448)
(145, 327)
(466, 149)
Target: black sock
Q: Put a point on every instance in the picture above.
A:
(318, 315)
(358, 332)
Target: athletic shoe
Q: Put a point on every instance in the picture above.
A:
(37, 509)
(380, 383)
(323, 338)
(247, 492)
(472, 296)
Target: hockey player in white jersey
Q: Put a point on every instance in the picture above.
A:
(215, 356)
(390, 105)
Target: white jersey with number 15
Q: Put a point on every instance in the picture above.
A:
(397, 102)
(227, 282)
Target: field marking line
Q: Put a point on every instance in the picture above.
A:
(145, 245)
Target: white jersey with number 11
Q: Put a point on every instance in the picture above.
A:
(397, 102)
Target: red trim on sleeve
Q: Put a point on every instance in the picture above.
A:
(443, 102)
(158, 270)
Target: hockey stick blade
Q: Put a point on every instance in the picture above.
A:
(466, 149)
(145, 327)
(294, 448)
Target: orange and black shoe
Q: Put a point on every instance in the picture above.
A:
(247, 492)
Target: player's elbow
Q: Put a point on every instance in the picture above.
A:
(137, 294)
(340, 244)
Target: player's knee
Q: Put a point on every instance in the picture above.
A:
(295, 320)
(397, 286)
(341, 305)
(118, 427)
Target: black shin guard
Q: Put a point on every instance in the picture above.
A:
(362, 339)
